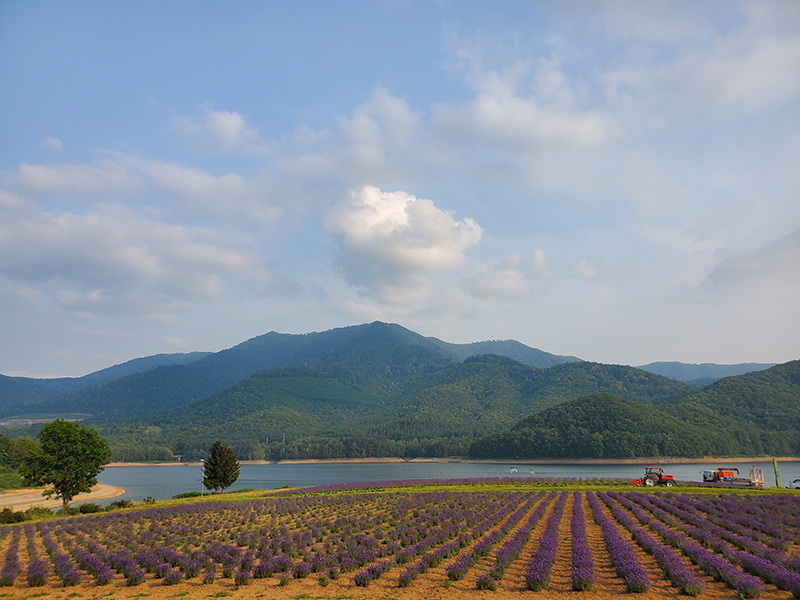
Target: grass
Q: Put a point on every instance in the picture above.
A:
(10, 479)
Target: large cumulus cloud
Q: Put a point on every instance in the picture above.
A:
(391, 241)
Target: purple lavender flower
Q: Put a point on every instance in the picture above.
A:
(243, 577)
(172, 578)
(538, 572)
(37, 573)
(583, 575)
(134, 576)
(71, 577)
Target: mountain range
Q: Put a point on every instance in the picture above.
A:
(381, 390)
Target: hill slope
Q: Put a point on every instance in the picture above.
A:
(15, 391)
(599, 426)
(171, 386)
(753, 414)
(395, 399)
(702, 374)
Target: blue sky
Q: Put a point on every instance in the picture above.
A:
(612, 180)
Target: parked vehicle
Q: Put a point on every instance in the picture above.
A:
(795, 485)
(655, 476)
(731, 475)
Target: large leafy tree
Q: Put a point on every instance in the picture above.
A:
(69, 457)
(221, 470)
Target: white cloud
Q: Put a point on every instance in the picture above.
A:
(9, 201)
(510, 277)
(752, 68)
(494, 281)
(585, 269)
(390, 240)
(176, 342)
(105, 176)
(114, 259)
(774, 265)
(53, 143)
(374, 143)
(199, 192)
(363, 313)
(220, 131)
(520, 106)
(227, 194)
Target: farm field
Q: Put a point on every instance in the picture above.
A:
(484, 540)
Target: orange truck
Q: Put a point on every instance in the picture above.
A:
(731, 475)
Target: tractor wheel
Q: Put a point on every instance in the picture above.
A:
(649, 480)
(669, 483)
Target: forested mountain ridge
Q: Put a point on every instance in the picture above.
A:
(142, 394)
(702, 374)
(411, 402)
(597, 426)
(28, 390)
(753, 414)
(382, 390)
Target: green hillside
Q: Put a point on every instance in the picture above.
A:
(382, 398)
(748, 415)
(597, 426)
(370, 347)
(382, 390)
(760, 411)
(17, 391)
(703, 374)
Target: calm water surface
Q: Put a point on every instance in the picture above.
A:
(163, 482)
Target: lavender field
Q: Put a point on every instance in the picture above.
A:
(411, 543)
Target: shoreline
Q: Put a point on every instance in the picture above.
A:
(24, 499)
(668, 460)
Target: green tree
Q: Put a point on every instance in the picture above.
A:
(221, 470)
(69, 457)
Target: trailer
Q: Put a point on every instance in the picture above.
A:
(731, 475)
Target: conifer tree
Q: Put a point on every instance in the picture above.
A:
(221, 470)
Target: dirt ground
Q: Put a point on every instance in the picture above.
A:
(429, 586)
(24, 499)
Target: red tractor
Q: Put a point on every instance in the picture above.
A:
(655, 476)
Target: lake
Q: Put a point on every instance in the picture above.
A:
(164, 481)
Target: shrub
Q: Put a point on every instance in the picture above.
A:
(7, 515)
(38, 513)
(485, 582)
(209, 576)
(172, 578)
(37, 573)
(187, 495)
(242, 578)
(134, 576)
(71, 577)
(89, 507)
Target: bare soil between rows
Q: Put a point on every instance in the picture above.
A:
(432, 585)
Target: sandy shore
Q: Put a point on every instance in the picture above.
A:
(24, 499)
(660, 460)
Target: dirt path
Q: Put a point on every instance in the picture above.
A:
(24, 499)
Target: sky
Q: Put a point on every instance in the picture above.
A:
(616, 181)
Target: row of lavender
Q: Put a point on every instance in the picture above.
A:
(290, 536)
(736, 539)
